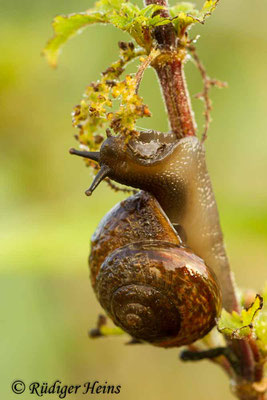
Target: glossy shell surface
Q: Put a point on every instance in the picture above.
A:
(159, 292)
(147, 281)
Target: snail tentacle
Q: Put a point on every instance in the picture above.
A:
(100, 176)
(92, 155)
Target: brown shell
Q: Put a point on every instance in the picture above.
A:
(137, 218)
(148, 283)
(175, 172)
(159, 292)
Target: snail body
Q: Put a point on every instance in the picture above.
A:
(175, 172)
(147, 281)
(158, 263)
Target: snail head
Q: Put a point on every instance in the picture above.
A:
(126, 162)
(110, 155)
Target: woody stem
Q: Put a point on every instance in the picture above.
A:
(169, 67)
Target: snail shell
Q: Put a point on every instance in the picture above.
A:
(175, 172)
(149, 284)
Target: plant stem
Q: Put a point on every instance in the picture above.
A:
(174, 89)
(169, 68)
(165, 34)
(258, 361)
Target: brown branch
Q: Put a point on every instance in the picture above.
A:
(259, 360)
(169, 68)
(219, 359)
(164, 34)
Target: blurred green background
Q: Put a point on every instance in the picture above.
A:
(46, 220)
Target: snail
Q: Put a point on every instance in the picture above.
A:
(173, 171)
(149, 283)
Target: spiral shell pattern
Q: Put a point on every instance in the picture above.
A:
(147, 281)
(159, 292)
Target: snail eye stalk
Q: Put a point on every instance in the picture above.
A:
(101, 175)
(92, 155)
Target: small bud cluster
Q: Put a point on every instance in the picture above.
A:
(95, 113)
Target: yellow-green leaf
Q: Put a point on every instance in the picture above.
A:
(185, 14)
(239, 326)
(66, 26)
(139, 23)
(261, 331)
(261, 325)
(209, 6)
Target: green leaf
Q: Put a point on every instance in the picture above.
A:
(264, 295)
(128, 17)
(106, 6)
(209, 6)
(123, 15)
(182, 7)
(149, 11)
(238, 326)
(138, 22)
(261, 332)
(125, 18)
(65, 27)
(185, 14)
(111, 331)
(261, 325)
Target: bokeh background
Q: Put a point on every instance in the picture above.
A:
(46, 220)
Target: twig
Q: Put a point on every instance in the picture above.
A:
(169, 68)
(259, 361)
(117, 188)
(96, 332)
(189, 355)
(204, 95)
(144, 65)
(102, 329)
